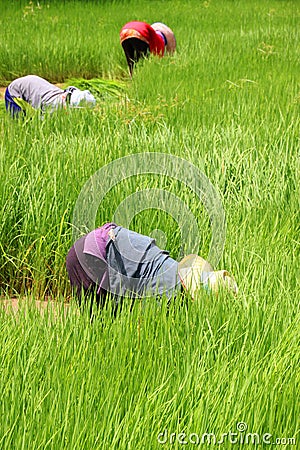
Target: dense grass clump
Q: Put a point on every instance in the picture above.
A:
(123, 382)
(227, 102)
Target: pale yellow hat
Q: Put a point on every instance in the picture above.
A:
(169, 35)
(196, 273)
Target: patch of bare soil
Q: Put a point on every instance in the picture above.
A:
(14, 305)
(2, 92)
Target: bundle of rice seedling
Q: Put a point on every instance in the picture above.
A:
(28, 110)
(100, 88)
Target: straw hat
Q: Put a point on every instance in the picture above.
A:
(221, 279)
(196, 273)
(169, 35)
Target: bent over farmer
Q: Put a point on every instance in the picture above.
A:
(139, 38)
(120, 262)
(40, 94)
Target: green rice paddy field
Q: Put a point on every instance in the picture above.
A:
(218, 372)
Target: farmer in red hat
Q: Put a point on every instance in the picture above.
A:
(140, 38)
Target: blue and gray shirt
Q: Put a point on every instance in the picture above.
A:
(138, 267)
(135, 265)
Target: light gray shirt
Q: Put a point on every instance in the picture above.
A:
(36, 91)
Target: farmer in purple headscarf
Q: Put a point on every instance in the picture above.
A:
(115, 261)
